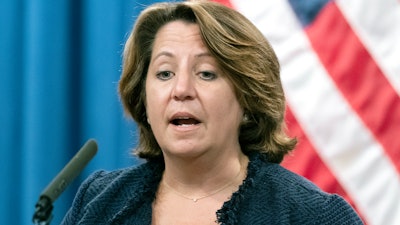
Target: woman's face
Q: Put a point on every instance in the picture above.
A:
(191, 105)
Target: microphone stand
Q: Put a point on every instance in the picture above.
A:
(44, 206)
(43, 211)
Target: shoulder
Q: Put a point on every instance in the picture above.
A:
(107, 181)
(295, 197)
(106, 193)
(102, 182)
(275, 177)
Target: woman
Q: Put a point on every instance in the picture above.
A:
(203, 85)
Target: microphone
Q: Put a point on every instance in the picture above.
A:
(74, 167)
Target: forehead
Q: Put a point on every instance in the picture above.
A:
(178, 33)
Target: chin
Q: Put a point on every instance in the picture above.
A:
(183, 152)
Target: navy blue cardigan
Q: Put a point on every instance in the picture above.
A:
(270, 194)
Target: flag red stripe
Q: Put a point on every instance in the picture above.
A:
(358, 77)
(306, 161)
(225, 2)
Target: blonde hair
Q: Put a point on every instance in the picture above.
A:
(242, 52)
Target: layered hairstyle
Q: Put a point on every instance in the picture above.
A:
(243, 54)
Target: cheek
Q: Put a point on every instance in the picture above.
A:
(149, 101)
(155, 102)
(226, 106)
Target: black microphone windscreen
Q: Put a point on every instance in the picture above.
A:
(71, 170)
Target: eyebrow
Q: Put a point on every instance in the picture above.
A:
(204, 54)
(169, 54)
(163, 53)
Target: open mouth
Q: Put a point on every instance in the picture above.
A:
(184, 121)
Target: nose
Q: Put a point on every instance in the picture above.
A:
(184, 87)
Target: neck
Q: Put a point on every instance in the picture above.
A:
(203, 176)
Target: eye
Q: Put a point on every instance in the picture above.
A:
(207, 75)
(164, 75)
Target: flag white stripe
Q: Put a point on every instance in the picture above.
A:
(377, 24)
(347, 147)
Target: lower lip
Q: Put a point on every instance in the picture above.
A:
(185, 128)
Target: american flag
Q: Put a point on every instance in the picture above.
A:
(341, 74)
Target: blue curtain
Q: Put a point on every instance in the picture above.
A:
(60, 62)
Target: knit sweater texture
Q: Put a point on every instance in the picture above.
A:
(270, 194)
